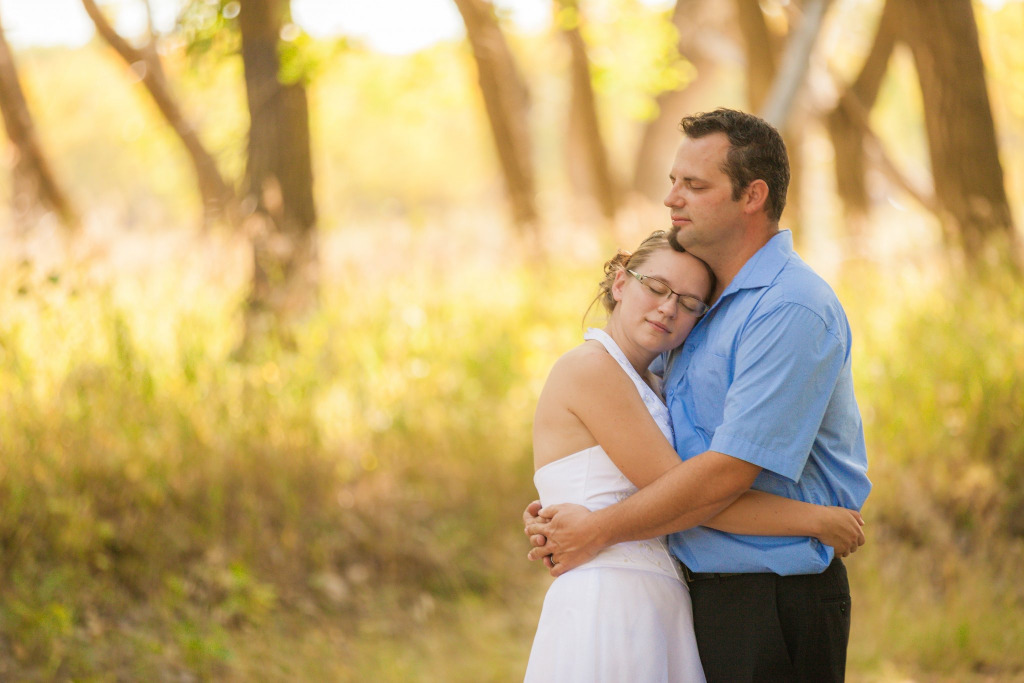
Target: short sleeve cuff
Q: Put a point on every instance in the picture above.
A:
(756, 454)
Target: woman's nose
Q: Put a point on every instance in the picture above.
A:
(669, 305)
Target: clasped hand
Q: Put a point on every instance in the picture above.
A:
(563, 536)
(842, 529)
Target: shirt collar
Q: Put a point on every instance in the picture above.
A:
(763, 267)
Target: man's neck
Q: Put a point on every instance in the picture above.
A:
(731, 263)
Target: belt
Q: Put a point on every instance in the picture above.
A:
(705, 576)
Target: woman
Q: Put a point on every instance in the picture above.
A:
(626, 615)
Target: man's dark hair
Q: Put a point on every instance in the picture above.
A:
(756, 152)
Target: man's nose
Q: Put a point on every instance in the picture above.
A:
(673, 198)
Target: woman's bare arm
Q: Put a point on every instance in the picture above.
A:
(605, 400)
(764, 514)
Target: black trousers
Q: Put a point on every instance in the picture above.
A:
(766, 627)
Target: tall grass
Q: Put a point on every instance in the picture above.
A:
(940, 380)
(347, 508)
(157, 492)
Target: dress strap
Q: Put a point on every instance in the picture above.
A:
(615, 352)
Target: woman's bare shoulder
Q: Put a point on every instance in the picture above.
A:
(587, 359)
(587, 368)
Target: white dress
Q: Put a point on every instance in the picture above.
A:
(625, 616)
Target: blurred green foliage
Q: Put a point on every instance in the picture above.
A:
(958, 369)
(347, 508)
(162, 502)
(156, 478)
(939, 367)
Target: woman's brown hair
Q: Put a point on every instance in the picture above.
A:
(624, 260)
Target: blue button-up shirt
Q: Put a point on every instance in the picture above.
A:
(765, 377)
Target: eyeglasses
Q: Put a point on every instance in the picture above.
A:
(690, 304)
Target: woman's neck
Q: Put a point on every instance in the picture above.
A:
(639, 357)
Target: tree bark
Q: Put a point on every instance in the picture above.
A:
(848, 121)
(969, 184)
(588, 158)
(506, 100)
(777, 107)
(762, 52)
(217, 196)
(34, 183)
(279, 177)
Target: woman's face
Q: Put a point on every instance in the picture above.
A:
(655, 322)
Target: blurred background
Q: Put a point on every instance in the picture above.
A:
(280, 285)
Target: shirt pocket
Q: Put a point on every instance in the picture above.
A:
(707, 380)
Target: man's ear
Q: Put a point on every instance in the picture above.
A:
(755, 196)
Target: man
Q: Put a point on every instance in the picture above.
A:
(761, 394)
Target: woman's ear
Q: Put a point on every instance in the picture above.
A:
(618, 284)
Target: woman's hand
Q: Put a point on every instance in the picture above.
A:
(572, 538)
(531, 516)
(840, 528)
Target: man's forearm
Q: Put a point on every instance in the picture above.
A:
(687, 495)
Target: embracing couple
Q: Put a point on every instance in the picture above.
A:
(745, 446)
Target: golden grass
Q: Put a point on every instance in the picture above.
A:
(348, 509)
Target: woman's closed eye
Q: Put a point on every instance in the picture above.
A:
(656, 286)
(692, 304)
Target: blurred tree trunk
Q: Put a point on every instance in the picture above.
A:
(506, 99)
(34, 184)
(791, 73)
(848, 122)
(969, 187)
(764, 51)
(279, 177)
(694, 20)
(588, 157)
(217, 196)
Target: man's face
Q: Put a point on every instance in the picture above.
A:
(704, 214)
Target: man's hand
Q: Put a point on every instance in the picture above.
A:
(842, 529)
(572, 537)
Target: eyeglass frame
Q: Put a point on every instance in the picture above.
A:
(704, 308)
